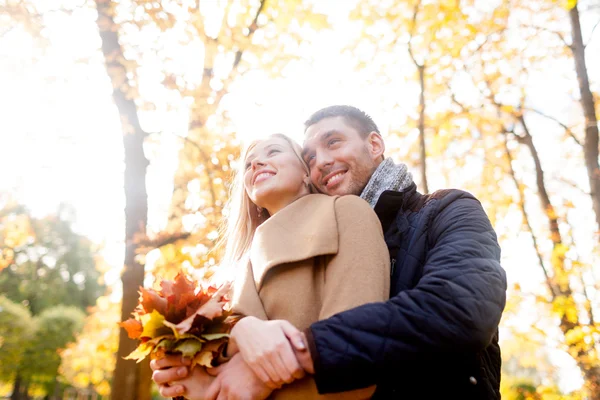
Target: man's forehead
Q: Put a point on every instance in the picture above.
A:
(325, 128)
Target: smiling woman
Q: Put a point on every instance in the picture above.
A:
(275, 175)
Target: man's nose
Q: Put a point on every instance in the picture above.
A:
(323, 160)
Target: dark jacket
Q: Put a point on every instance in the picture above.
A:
(437, 336)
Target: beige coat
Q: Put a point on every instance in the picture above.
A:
(316, 257)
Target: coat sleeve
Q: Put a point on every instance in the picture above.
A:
(456, 306)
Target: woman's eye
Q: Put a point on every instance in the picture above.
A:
(273, 151)
(332, 142)
(248, 165)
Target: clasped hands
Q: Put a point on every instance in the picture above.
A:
(265, 355)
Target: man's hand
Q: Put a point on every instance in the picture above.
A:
(304, 357)
(167, 370)
(265, 347)
(235, 380)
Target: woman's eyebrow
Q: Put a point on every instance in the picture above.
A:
(273, 145)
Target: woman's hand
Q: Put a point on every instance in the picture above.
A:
(196, 385)
(265, 347)
(174, 378)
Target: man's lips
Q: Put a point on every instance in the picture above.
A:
(333, 178)
(261, 176)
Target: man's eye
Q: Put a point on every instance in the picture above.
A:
(332, 142)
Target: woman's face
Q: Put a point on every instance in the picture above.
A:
(274, 176)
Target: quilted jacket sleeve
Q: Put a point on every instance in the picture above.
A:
(456, 306)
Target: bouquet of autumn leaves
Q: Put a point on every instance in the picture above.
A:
(183, 317)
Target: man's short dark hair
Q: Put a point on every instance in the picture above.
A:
(358, 119)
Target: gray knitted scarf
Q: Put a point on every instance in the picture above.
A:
(387, 176)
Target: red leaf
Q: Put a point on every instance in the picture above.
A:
(133, 327)
(150, 300)
(212, 309)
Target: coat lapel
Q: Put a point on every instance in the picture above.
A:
(245, 296)
(305, 229)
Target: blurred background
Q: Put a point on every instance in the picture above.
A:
(121, 122)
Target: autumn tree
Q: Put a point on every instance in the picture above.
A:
(46, 266)
(46, 263)
(429, 36)
(588, 105)
(89, 362)
(131, 380)
(55, 328)
(503, 102)
(16, 331)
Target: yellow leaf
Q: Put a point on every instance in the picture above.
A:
(141, 352)
(188, 347)
(204, 358)
(152, 323)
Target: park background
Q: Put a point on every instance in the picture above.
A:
(121, 122)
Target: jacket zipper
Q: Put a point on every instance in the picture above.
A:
(393, 267)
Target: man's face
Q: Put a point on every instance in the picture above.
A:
(341, 161)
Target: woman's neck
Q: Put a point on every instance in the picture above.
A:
(283, 203)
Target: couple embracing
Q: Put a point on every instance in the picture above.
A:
(350, 283)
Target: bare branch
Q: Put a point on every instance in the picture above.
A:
(565, 127)
(146, 244)
(238, 54)
(592, 34)
(558, 34)
(572, 185)
(251, 29)
(412, 32)
(526, 216)
(206, 161)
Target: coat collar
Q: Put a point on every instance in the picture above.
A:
(305, 229)
(390, 202)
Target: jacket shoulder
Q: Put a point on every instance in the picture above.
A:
(351, 204)
(450, 195)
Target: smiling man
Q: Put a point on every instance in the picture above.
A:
(437, 335)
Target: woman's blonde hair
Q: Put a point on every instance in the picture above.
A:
(243, 217)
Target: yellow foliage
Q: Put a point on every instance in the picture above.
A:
(90, 361)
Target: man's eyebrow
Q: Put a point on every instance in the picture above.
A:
(328, 134)
(322, 137)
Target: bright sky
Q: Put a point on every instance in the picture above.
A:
(60, 136)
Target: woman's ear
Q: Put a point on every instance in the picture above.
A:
(306, 180)
(376, 145)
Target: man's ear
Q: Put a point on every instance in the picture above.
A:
(375, 145)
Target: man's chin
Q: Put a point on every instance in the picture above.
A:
(340, 190)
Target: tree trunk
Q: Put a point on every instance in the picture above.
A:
(589, 110)
(130, 380)
(590, 371)
(422, 149)
(16, 392)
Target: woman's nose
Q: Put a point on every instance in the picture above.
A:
(257, 163)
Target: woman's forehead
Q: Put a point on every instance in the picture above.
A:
(266, 144)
